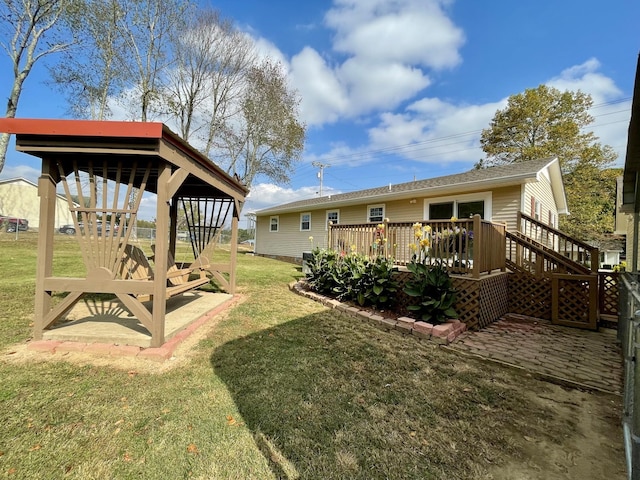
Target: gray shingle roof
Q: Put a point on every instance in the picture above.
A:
(515, 172)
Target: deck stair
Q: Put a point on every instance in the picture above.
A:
(554, 275)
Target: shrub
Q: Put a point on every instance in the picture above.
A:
(353, 277)
(377, 286)
(321, 276)
(432, 286)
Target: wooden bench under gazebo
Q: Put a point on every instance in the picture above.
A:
(103, 169)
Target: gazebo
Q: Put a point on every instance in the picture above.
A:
(104, 168)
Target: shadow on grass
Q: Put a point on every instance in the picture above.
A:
(327, 396)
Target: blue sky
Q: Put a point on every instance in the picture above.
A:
(394, 90)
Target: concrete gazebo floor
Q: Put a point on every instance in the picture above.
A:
(108, 322)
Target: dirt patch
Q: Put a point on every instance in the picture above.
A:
(592, 448)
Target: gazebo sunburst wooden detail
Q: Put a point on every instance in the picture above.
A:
(104, 168)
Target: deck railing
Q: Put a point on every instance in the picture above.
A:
(558, 241)
(472, 246)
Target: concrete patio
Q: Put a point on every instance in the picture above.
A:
(98, 321)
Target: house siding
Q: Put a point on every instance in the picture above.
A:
(542, 192)
(506, 204)
(290, 242)
(502, 205)
(20, 199)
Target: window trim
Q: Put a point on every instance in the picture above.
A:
(326, 217)
(277, 219)
(486, 197)
(376, 205)
(305, 229)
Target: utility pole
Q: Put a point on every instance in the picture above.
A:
(321, 166)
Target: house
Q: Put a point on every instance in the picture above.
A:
(19, 198)
(497, 194)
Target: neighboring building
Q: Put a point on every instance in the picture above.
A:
(496, 193)
(19, 198)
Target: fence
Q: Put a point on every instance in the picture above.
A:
(471, 246)
(181, 235)
(629, 336)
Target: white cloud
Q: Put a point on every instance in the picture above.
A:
(413, 32)
(381, 55)
(20, 171)
(440, 131)
(586, 78)
(374, 85)
(324, 99)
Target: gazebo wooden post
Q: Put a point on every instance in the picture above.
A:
(233, 248)
(46, 226)
(160, 259)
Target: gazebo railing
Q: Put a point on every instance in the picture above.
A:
(472, 246)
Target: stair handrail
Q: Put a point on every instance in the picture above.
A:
(543, 251)
(593, 252)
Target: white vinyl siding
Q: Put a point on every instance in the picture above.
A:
(506, 204)
(543, 203)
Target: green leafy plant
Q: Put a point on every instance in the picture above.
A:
(321, 276)
(353, 277)
(377, 286)
(347, 274)
(432, 287)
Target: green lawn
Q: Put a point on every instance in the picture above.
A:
(281, 387)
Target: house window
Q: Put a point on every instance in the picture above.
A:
(274, 224)
(305, 222)
(376, 213)
(538, 210)
(469, 209)
(444, 211)
(333, 216)
(463, 206)
(440, 211)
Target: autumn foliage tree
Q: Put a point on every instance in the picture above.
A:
(545, 122)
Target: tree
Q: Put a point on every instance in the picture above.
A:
(31, 30)
(149, 29)
(269, 138)
(544, 122)
(211, 61)
(92, 73)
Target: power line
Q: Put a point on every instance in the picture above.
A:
(411, 147)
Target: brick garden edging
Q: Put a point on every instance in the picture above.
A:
(442, 334)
